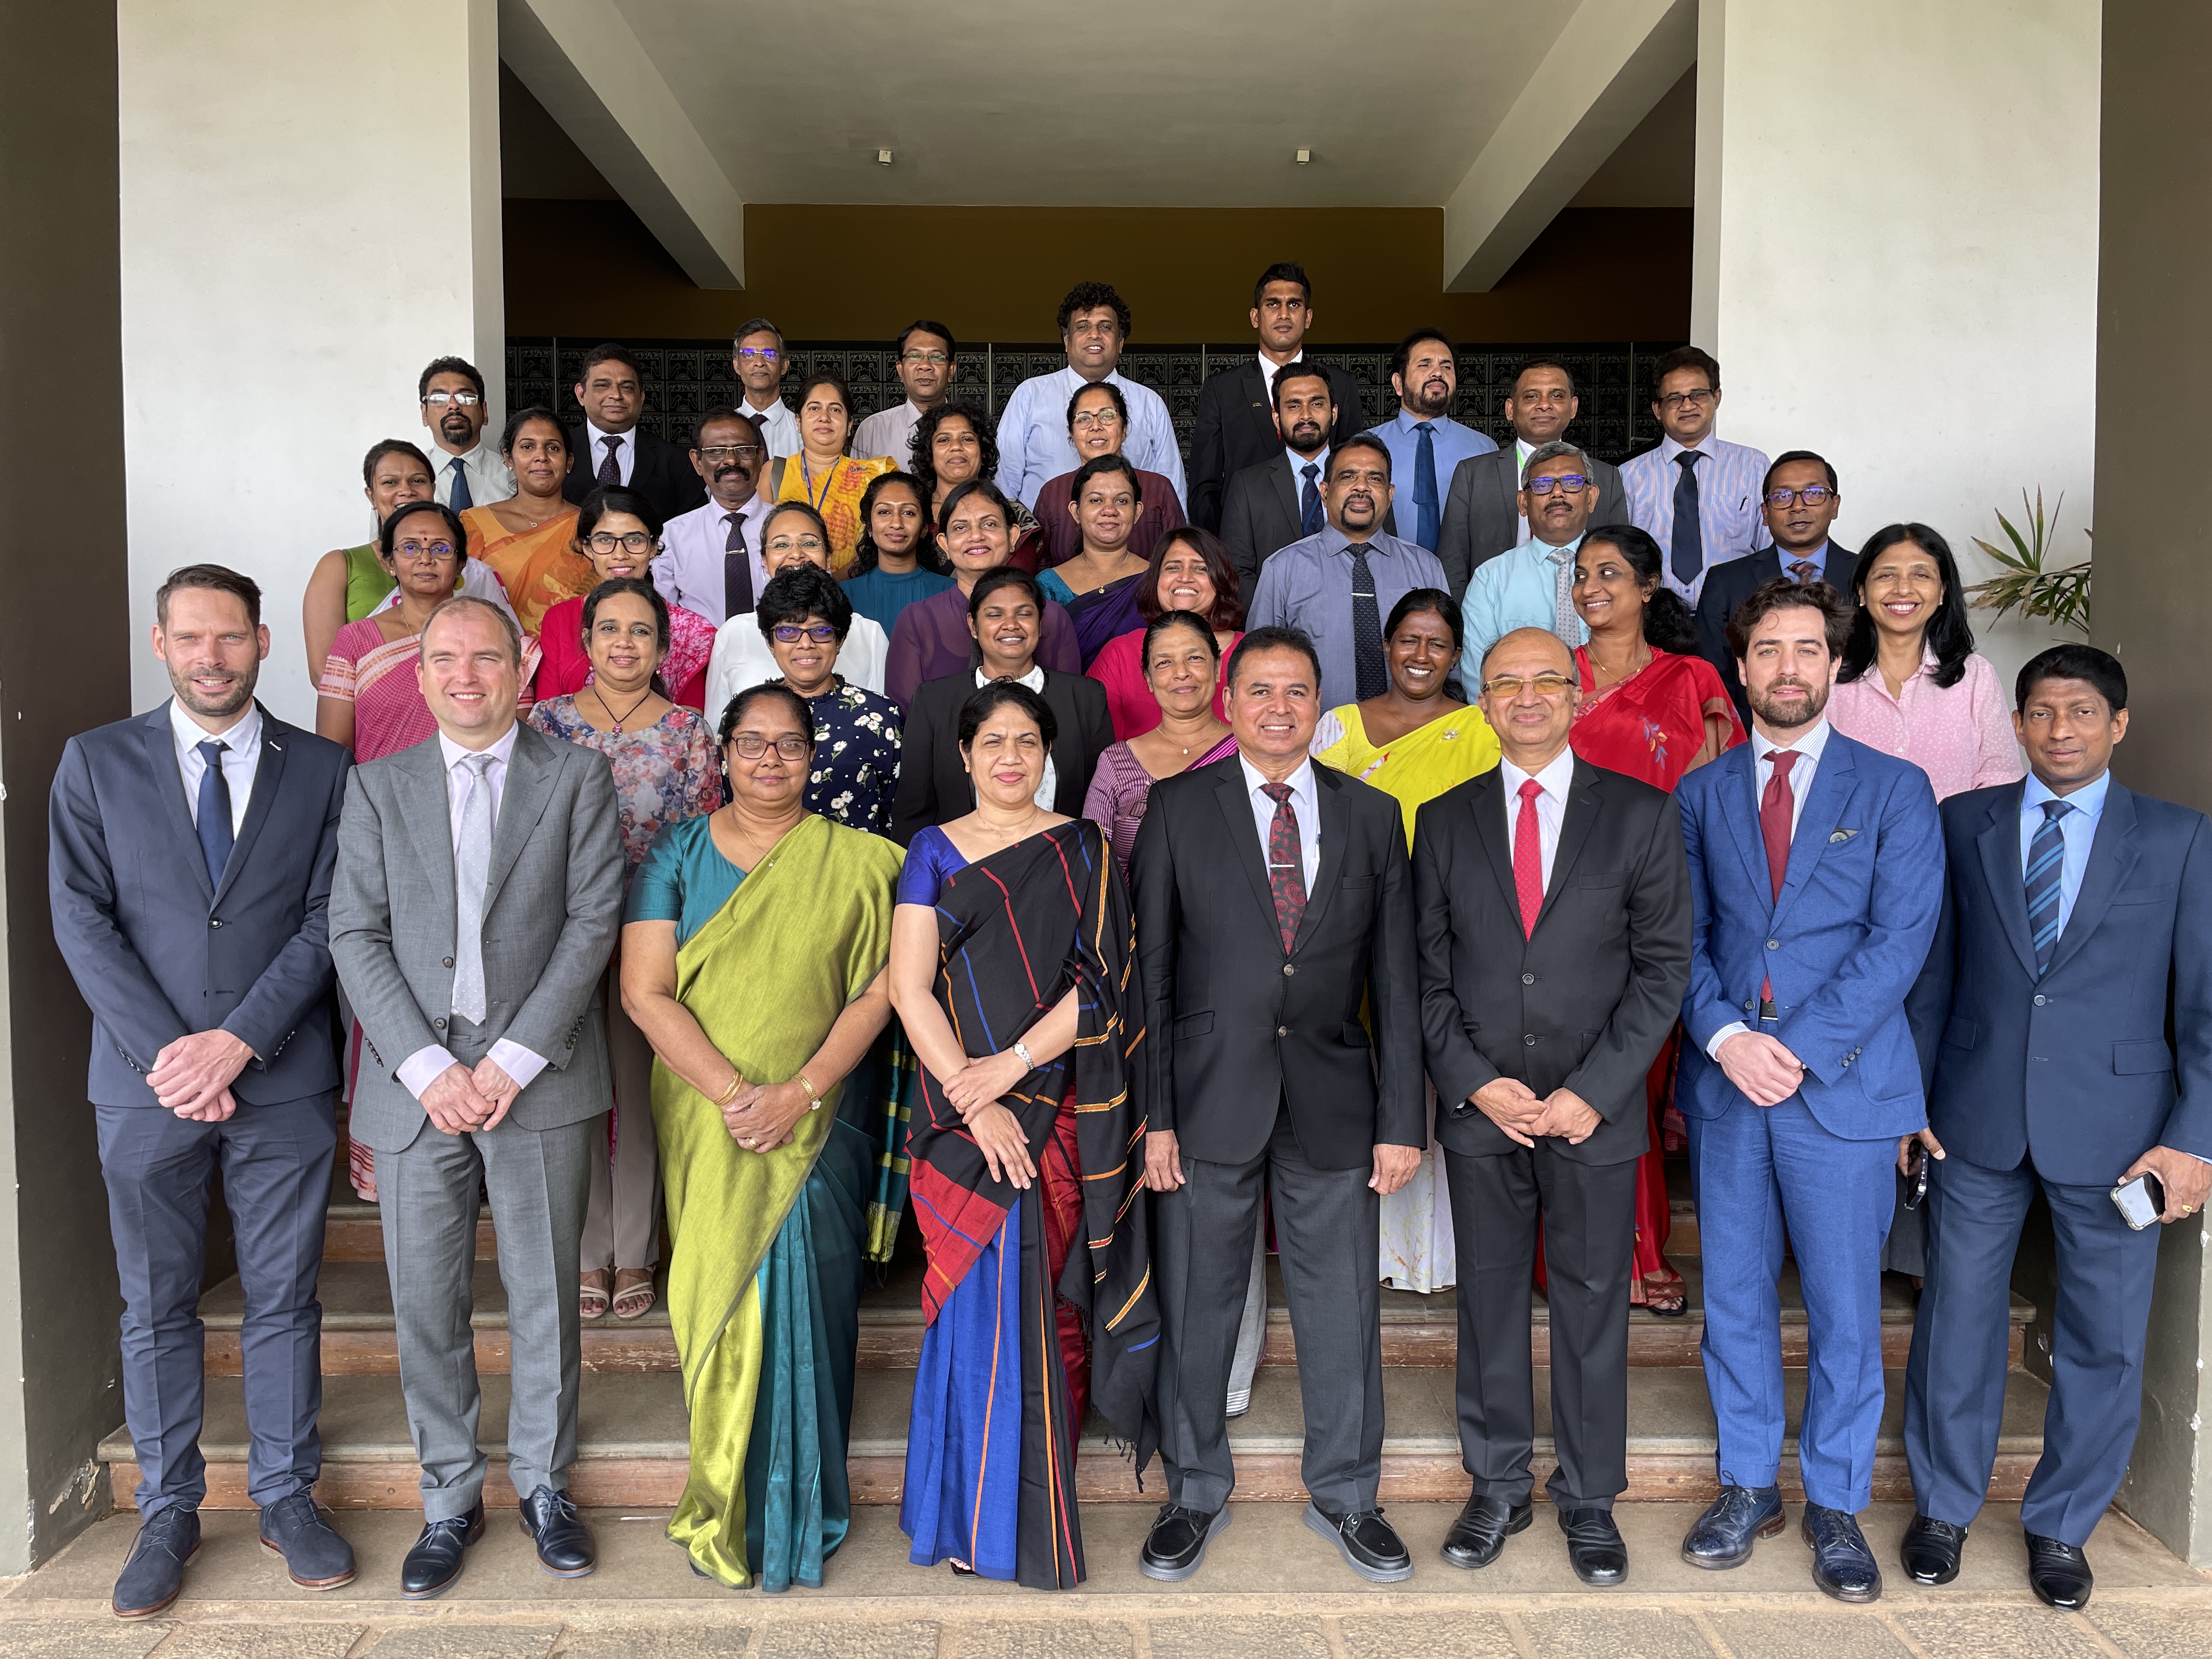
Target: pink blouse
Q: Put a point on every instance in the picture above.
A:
(1961, 738)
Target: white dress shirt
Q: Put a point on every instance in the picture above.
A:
(779, 427)
(1808, 750)
(889, 432)
(489, 480)
(425, 1065)
(1304, 804)
(687, 569)
(1035, 448)
(240, 761)
(625, 445)
(1558, 774)
(1035, 680)
(742, 660)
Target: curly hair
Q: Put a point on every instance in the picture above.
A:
(1088, 296)
(924, 436)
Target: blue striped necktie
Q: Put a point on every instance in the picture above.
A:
(2046, 861)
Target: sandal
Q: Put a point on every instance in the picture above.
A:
(634, 1294)
(1666, 1296)
(592, 1292)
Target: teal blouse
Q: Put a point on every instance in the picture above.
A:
(684, 879)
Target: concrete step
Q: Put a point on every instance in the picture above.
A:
(633, 1447)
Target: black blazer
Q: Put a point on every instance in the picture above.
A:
(1259, 518)
(1585, 1002)
(158, 952)
(1236, 429)
(1482, 511)
(662, 473)
(1727, 585)
(1239, 1029)
(933, 785)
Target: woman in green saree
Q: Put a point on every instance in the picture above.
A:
(768, 1164)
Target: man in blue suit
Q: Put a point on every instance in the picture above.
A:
(2064, 1020)
(1815, 866)
(191, 853)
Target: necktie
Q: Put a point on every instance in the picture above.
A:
(1565, 622)
(1287, 864)
(1370, 678)
(462, 501)
(1778, 807)
(1689, 536)
(737, 569)
(1528, 857)
(1310, 518)
(2046, 862)
(1428, 517)
(1804, 570)
(215, 809)
(609, 471)
(471, 870)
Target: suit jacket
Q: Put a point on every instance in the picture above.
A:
(661, 472)
(1843, 944)
(1729, 584)
(1584, 1002)
(1482, 511)
(552, 903)
(1259, 518)
(1236, 429)
(933, 786)
(158, 951)
(2109, 1052)
(1249, 1029)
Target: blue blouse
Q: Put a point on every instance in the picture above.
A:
(684, 879)
(879, 595)
(930, 858)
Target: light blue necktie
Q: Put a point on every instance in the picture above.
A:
(2046, 862)
(1310, 518)
(1427, 513)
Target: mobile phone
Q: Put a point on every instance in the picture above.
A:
(1916, 1182)
(2140, 1201)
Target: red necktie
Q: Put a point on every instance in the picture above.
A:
(1528, 858)
(1777, 807)
(1287, 864)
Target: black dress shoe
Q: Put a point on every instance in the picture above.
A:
(435, 1561)
(1175, 1549)
(1724, 1534)
(1370, 1545)
(564, 1542)
(1843, 1565)
(2059, 1574)
(1594, 1548)
(1930, 1551)
(153, 1574)
(1482, 1528)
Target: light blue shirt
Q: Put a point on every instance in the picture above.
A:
(1308, 585)
(1453, 443)
(2078, 827)
(1731, 520)
(1034, 447)
(1518, 589)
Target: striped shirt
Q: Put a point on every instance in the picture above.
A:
(1730, 521)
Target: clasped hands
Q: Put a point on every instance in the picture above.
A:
(459, 1100)
(1761, 1066)
(761, 1116)
(1522, 1115)
(193, 1076)
(1394, 1165)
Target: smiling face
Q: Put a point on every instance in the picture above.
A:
(728, 462)
(976, 537)
(1542, 404)
(1005, 762)
(469, 676)
(791, 539)
(1096, 427)
(1273, 704)
(1902, 590)
(1186, 583)
(1419, 655)
(1357, 493)
(808, 660)
(612, 395)
(1529, 696)
(624, 644)
(1788, 669)
(1430, 377)
(212, 651)
(895, 521)
(1006, 629)
(1106, 512)
(539, 458)
(823, 420)
(396, 479)
(2070, 732)
(1181, 669)
(1796, 524)
(1609, 595)
(1685, 402)
(1093, 342)
(770, 782)
(955, 451)
(1561, 511)
(620, 544)
(424, 561)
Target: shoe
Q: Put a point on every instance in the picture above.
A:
(1843, 1565)
(1595, 1548)
(154, 1574)
(1175, 1549)
(435, 1561)
(564, 1542)
(1370, 1545)
(315, 1556)
(1930, 1551)
(2059, 1573)
(1240, 1401)
(1722, 1536)
(1482, 1528)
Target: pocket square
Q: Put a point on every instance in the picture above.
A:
(1841, 834)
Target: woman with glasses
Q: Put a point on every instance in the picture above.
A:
(953, 445)
(530, 538)
(619, 533)
(791, 536)
(1100, 585)
(1099, 425)
(822, 474)
(804, 617)
(933, 638)
(896, 562)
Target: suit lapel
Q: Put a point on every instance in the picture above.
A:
(1999, 846)
(1243, 841)
(161, 744)
(1504, 475)
(1484, 801)
(1258, 405)
(1833, 781)
(1575, 825)
(1286, 496)
(1742, 820)
(428, 812)
(521, 804)
(268, 779)
(2112, 855)
(1328, 794)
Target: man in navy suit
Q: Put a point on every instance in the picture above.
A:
(190, 877)
(2064, 1021)
(1814, 865)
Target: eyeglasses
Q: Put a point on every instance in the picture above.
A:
(760, 353)
(1510, 686)
(791, 633)
(1573, 483)
(424, 550)
(1095, 418)
(439, 399)
(728, 452)
(934, 359)
(750, 745)
(802, 544)
(1675, 400)
(1812, 495)
(635, 541)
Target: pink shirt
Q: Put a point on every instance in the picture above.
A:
(1961, 738)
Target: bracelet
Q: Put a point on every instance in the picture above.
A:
(737, 1082)
(813, 1100)
(1022, 1053)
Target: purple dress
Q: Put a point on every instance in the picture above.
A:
(1121, 787)
(932, 641)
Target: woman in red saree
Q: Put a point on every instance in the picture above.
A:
(1653, 709)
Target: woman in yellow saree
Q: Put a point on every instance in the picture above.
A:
(768, 1164)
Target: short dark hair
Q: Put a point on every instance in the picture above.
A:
(926, 325)
(457, 601)
(720, 415)
(1360, 440)
(981, 484)
(388, 532)
(1172, 619)
(637, 589)
(1790, 458)
(756, 326)
(927, 556)
(1948, 634)
(1283, 271)
(1686, 357)
(610, 351)
(836, 382)
(1528, 363)
(1275, 639)
(1088, 296)
(922, 464)
(777, 509)
(615, 498)
(985, 701)
(1006, 575)
(523, 418)
(1784, 593)
(1404, 354)
(1098, 464)
(1300, 370)
(391, 446)
(735, 711)
(1428, 601)
(214, 579)
(1121, 404)
(448, 366)
(2073, 662)
(1669, 624)
(793, 595)
(1228, 603)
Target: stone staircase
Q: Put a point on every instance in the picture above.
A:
(632, 1437)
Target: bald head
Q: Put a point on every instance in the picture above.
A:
(1528, 695)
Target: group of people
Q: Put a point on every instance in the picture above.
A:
(1141, 865)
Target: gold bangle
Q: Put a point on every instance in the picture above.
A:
(813, 1100)
(737, 1082)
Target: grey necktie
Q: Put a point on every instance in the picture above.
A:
(1565, 622)
(472, 869)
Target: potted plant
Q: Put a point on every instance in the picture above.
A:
(2028, 583)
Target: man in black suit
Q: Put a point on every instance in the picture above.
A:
(1272, 898)
(1235, 413)
(1554, 907)
(1278, 501)
(190, 852)
(1482, 511)
(609, 449)
(1799, 500)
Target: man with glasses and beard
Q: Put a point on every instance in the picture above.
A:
(710, 557)
(1815, 867)
(470, 472)
(1426, 445)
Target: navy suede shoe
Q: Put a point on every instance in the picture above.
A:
(153, 1575)
(1724, 1534)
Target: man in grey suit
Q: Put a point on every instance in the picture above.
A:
(478, 890)
(190, 879)
(1482, 513)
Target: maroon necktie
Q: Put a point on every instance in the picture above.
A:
(1287, 864)
(1775, 809)
(1804, 570)
(610, 473)
(1528, 858)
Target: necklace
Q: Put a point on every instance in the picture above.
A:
(607, 708)
(1634, 667)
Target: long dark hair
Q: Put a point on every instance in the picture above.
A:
(925, 434)
(1668, 623)
(926, 554)
(1228, 607)
(1948, 634)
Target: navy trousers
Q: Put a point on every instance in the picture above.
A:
(1956, 1381)
(275, 1163)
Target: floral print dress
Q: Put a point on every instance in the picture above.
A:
(667, 772)
(856, 756)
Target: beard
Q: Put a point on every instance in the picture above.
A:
(1789, 716)
(1426, 404)
(1307, 437)
(195, 702)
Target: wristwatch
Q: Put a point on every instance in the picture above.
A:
(1022, 1053)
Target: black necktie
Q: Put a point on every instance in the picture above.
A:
(737, 569)
(1689, 537)
(1372, 676)
(610, 473)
